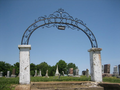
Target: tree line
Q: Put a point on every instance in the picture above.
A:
(62, 66)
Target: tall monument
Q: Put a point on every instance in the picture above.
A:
(57, 72)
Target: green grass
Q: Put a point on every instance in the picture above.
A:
(111, 79)
(65, 78)
(9, 83)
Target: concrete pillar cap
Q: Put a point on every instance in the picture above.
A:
(94, 49)
(24, 46)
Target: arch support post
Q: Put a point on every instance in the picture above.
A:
(95, 64)
(24, 67)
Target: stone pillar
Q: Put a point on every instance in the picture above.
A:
(24, 74)
(95, 64)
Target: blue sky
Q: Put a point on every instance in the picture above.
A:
(50, 44)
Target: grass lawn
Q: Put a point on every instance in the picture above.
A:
(62, 78)
(111, 79)
(10, 83)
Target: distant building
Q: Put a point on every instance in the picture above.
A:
(107, 68)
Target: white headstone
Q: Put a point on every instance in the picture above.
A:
(47, 74)
(8, 74)
(39, 74)
(35, 73)
(57, 72)
(87, 73)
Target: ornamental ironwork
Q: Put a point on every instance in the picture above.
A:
(61, 20)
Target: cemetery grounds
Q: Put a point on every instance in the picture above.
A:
(11, 83)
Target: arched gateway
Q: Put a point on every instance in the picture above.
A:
(60, 20)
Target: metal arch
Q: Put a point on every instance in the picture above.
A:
(59, 18)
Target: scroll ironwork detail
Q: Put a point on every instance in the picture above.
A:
(59, 18)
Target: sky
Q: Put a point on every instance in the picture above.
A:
(50, 45)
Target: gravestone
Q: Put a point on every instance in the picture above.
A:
(35, 73)
(87, 73)
(70, 72)
(47, 74)
(107, 68)
(57, 72)
(39, 74)
(83, 72)
(115, 73)
(119, 69)
(77, 73)
(1, 74)
(13, 73)
(63, 73)
(8, 74)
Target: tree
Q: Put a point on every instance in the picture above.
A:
(4, 67)
(43, 67)
(71, 65)
(61, 66)
(51, 70)
(32, 69)
(16, 66)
